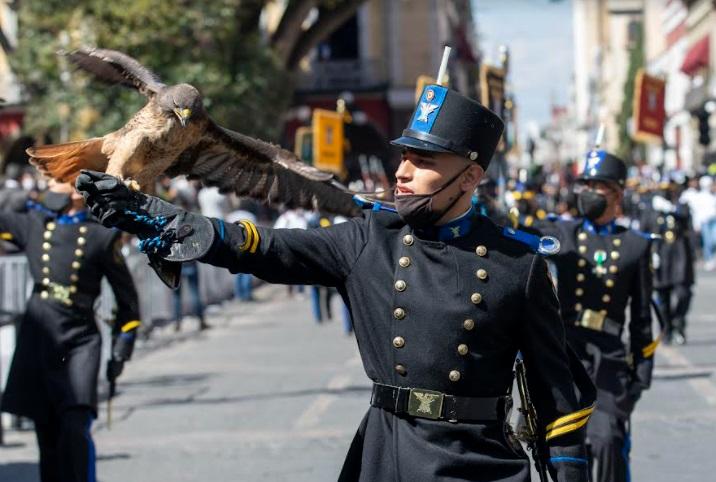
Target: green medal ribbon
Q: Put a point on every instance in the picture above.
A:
(600, 256)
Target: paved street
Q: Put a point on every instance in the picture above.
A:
(269, 395)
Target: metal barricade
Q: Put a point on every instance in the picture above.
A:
(156, 301)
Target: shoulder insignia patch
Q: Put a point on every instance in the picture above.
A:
(545, 245)
(645, 235)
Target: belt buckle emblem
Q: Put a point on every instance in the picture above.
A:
(59, 292)
(425, 403)
(593, 320)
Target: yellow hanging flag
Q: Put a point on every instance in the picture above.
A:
(328, 141)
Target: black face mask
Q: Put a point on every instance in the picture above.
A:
(56, 201)
(591, 204)
(417, 209)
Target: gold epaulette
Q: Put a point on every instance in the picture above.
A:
(568, 423)
(6, 236)
(251, 243)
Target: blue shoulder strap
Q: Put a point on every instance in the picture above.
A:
(364, 203)
(645, 235)
(545, 245)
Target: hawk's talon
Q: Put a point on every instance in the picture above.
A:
(131, 184)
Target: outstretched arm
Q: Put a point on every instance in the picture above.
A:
(318, 256)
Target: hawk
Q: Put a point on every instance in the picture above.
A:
(174, 135)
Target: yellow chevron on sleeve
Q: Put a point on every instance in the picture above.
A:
(130, 325)
(256, 239)
(648, 350)
(6, 236)
(585, 412)
(249, 235)
(556, 432)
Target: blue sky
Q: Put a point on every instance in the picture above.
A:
(539, 35)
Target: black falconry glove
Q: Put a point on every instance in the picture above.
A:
(167, 234)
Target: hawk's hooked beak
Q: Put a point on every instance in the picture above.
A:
(183, 115)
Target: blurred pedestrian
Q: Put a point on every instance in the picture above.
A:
(243, 282)
(190, 280)
(295, 219)
(703, 212)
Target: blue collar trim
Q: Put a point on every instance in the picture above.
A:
(80, 217)
(604, 230)
(456, 228)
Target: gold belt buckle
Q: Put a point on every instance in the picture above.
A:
(593, 320)
(425, 403)
(59, 292)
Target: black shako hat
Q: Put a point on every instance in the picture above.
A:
(445, 121)
(599, 165)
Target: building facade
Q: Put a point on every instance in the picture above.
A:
(375, 58)
(603, 32)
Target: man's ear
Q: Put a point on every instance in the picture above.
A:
(473, 176)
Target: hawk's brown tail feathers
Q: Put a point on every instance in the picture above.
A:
(63, 162)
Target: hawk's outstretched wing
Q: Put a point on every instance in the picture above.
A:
(253, 168)
(116, 68)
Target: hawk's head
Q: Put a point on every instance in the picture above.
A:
(181, 100)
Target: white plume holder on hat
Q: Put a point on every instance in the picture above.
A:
(600, 137)
(443, 66)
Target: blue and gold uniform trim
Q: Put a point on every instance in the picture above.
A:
(649, 350)
(568, 423)
(130, 325)
(251, 243)
(545, 245)
(6, 236)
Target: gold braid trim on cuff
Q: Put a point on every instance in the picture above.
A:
(130, 325)
(648, 350)
(568, 423)
(251, 243)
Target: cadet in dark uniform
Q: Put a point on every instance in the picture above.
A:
(673, 259)
(53, 376)
(441, 298)
(603, 270)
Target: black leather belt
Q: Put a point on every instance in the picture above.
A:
(597, 321)
(421, 403)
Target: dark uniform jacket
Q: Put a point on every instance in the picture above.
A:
(674, 264)
(599, 276)
(57, 356)
(448, 316)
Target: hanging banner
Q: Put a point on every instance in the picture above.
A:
(328, 140)
(492, 88)
(649, 110)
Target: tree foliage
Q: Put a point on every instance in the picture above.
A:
(636, 61)
(245, 76)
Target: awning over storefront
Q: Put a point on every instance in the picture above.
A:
(697, 56)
